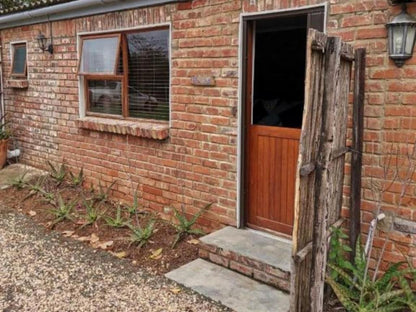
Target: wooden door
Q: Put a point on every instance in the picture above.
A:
(272, 170)
(272, 146)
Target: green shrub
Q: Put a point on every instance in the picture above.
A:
(357, 292)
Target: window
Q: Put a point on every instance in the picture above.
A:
(19, 66)
(126, 74)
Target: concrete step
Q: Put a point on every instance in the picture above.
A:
(260, 256)
(231, 289)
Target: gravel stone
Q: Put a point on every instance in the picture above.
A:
(42, 271)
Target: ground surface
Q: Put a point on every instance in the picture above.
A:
(156, 256)
(43, 271)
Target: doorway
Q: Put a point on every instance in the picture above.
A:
(273, 97)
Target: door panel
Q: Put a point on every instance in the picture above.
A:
(272, 170)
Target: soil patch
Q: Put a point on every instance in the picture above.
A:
(156, 256)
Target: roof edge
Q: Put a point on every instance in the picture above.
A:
(74, 9)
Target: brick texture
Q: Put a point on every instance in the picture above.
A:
(197, 163)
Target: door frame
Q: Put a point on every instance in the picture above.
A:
(242, 74)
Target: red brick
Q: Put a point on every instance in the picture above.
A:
(219, 260)
(241, 268)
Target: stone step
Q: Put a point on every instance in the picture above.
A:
(260, 256)
(231, 289)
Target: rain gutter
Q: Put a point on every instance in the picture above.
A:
(75, 9)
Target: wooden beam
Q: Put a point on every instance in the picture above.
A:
(301, 255)
(357, 146)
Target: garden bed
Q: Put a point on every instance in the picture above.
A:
(156, 255)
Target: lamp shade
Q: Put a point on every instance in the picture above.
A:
(402, 33)
(41, 42)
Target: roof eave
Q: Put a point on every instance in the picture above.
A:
(75, 9)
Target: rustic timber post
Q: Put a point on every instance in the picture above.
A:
(357, 147)
(320, 177)
(305, 180)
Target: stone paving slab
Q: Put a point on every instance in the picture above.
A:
(272, 251)
(42, 271)
(12, 172)
(229, 288)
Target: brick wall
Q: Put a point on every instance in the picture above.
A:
(198, 163)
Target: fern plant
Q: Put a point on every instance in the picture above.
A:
(357, 292)
(185, 226)
(141, 235)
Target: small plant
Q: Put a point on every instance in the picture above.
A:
(58, 174)
(103, 193)
(134, 207)
(36, 188)
(141, 235)
(19, 182)
(62, 210)
(118, 221)
(184, 225)
(338, 250)
(47, 196)
(77, 180)
(91, 213)
(358, 293)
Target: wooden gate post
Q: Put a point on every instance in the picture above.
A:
(357, 147)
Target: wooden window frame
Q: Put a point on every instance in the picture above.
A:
(117, 57)
(124, 77)
(12, 73)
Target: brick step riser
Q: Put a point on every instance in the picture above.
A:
(262, 272)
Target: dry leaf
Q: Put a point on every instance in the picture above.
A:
(84, 238)
(120, 255)
(176, 290)
(193, 241)
(68, 233)
(32, 213)
(157, 254)
(103, 245)
(94, 238)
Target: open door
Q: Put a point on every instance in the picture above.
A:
(275, 50)
(320, 174)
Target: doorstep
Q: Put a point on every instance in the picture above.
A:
(256, 255)
(229, 288)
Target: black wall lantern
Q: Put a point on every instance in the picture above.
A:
(402, 34)
(42, 42)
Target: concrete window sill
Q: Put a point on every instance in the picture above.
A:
(17, 83)
(147, 129)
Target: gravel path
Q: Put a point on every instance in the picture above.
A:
(41, 271)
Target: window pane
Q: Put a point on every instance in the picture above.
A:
(148, 57)
(99, 55)
(19, 60)
(105, 96)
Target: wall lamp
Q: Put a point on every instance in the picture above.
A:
(401, 34)
(42, 42)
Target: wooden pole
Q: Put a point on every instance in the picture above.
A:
(357, 146)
